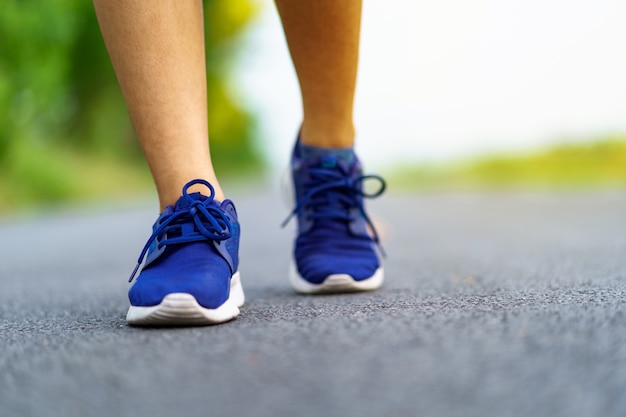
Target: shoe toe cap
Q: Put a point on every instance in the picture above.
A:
(315, 269)
(206, 278)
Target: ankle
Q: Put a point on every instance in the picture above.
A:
(327, 135)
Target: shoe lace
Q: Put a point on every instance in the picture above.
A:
(331, 193)
(210, 224)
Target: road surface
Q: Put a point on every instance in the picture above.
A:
(504, 304)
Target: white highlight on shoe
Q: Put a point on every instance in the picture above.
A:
(182, 309)
(336, 283)
(287, 192)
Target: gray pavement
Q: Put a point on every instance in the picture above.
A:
(494, 305)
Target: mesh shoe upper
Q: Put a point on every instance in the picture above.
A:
(333, 235)
(193, 249)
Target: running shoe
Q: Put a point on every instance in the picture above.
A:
(190, 275)
(335, 249)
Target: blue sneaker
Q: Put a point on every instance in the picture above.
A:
(335, 249)
(190, 275)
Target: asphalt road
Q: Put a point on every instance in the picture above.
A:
(494, 305)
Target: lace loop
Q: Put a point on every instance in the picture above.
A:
(331, 193)
(210, 223)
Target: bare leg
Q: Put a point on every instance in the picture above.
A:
(323, 38)
(157, 50)
(333, 250)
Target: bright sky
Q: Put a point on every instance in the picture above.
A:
(453, 78)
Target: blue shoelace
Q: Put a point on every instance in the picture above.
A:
(332, 193)
(210, 224)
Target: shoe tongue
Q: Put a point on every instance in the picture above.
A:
(328, 157)
(329, 161)
(184, 202)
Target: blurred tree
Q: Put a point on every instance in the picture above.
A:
(35, 88)
(231, 126)
(58, 90)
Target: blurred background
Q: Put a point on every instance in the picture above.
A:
(452, 95)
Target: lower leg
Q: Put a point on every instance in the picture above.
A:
(157, 50)
(323, 38)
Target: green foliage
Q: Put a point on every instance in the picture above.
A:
(37, 173)
(231, 127)
(35, 91)
(59, 96)
(597, 164)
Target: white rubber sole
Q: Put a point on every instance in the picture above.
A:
(182, 309)
(336, 283)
